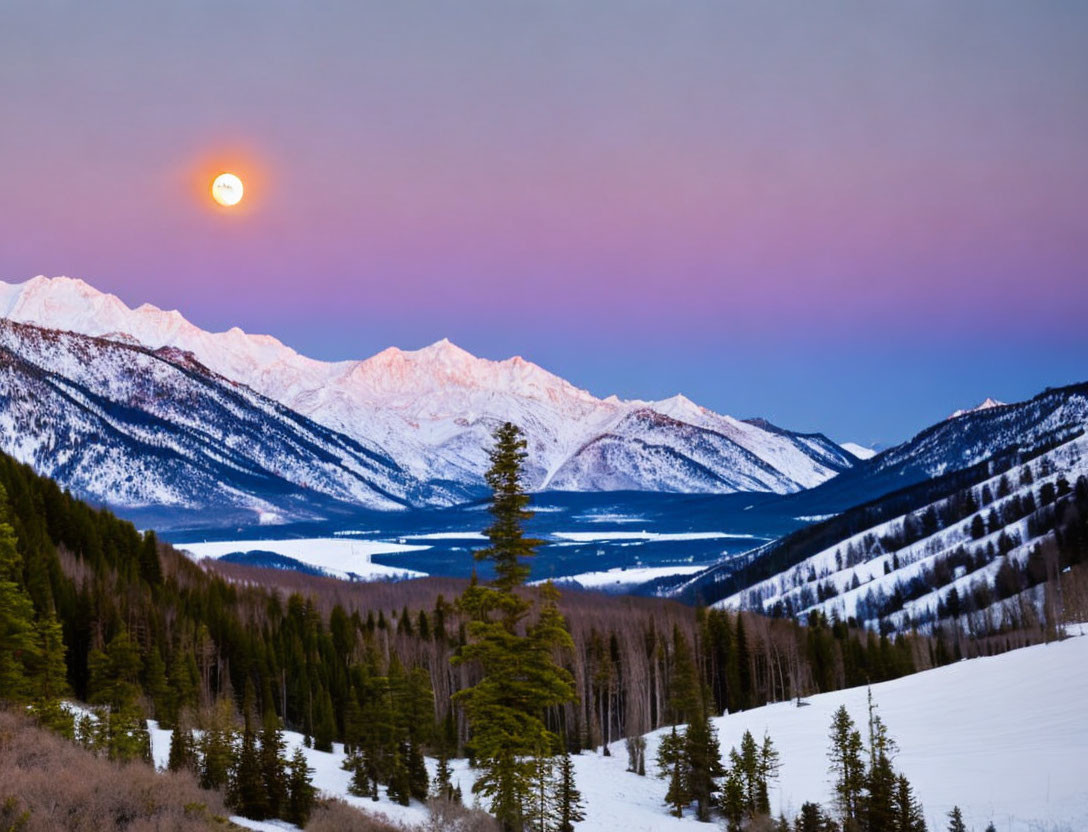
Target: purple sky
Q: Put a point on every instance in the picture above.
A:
(848, 217)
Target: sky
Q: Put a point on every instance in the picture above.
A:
(846, 217)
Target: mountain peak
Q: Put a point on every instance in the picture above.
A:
(988, 404)
(679, 407)
(444, 349)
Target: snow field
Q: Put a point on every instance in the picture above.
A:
(337, 556)
(1004, 738)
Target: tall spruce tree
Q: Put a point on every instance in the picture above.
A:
(273, 765)
(19, 645)
(847, 767)
(880, 802)
(183, 754)
(703, 758)
(520, 678)
(567, 797)
(746, 791)
(217, 745)
(672, 766)
(245, 788)
(908, 812)
(300, 790)
(770, 763)
(540, 813)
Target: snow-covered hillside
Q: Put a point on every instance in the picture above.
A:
(120, 424)
(1003, 738)
(954, 546)
(432, 410)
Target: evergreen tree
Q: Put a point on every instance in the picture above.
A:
(880, 801)
(568, 798)
(685, 702)
(300, 790)
(745, 764)
(157, 687)
(703, 760)
(908, 812)
(273, 765)
(418, 784)
(520, 678)
(19, 643)
(150, 567)
(324, 721)
(846, 767)
(733, 802)
(813, 819)
(770, 763)
(746, 790)
(540, 812)
(183, 754)
(443, 778)
(360, 779)
(955, 820)
(49, 683)
(672, 765)
(245, 789)
(217, 745)
(399, 786)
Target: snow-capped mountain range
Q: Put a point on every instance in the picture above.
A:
(139, 428)
(427, 414)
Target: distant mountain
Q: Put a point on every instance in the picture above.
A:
(952, 445)
(131, 427)
(965, 509)
(430, 412)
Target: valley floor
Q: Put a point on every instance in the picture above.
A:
(1005, 738)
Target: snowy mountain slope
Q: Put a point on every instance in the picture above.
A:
(127, 426)
(672, 456)
(978, 434)
(952, 445)
(903, 571)
(1002, 737)
(893, 560)
(860, 451)
(432, 410)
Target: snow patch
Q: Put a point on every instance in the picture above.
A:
(339, 557)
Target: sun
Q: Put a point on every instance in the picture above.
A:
(227, 189)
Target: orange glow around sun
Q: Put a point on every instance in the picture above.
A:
(227, 181)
